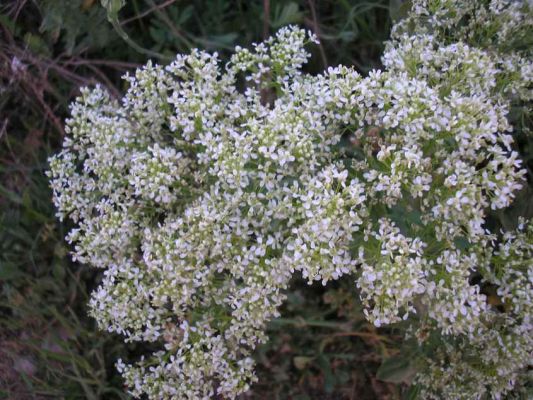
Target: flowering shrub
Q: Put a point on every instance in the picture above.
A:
(205, 189)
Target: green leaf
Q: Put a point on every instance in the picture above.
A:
(461, 243)
(58, 270)
(405, 219)
(9, 24)
(227, 39)
(288, 14)
(329, 377)
(36, 44)
(301, 362)
(8, 272)
(158, 35)
(185, 15)
(396, 370)
(112, 7)
(399, 9)
(412, 393)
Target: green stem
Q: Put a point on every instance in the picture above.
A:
(131, 43)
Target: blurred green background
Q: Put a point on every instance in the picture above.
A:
(321, 348)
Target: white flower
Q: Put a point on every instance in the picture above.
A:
(200, 200)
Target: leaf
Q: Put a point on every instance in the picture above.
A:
(9, 24)
(157, 34)
(301, 362)
(412, 393)
(396, 370)
(329, 377)
(185, 15)
(289, 14)
(58, 270)
(399, 9)
(86, 4)
(227, 39)
(461, 243)
(347, 36)
(112, 7)
(8, 272)
(405, 219)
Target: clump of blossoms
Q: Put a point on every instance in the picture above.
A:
(205, 188)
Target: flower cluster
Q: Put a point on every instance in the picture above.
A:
(206, 188)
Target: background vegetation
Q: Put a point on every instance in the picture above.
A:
(321, 348)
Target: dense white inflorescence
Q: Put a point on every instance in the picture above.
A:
(206, 188)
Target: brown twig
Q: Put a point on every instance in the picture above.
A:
(3, 130)
(153, 8)
(164, 17)
(368, 335)
(316, 30)
(266, 19)
(119, 65)
(16, 9)
(30, 73)
(103, 78)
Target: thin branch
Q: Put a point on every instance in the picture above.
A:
(316, 30)
(120, 65)
(367, 335)
(115, 93)
(3, 130)
(266, 18)
(147, 12)
(164, 17)
(133, 44)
